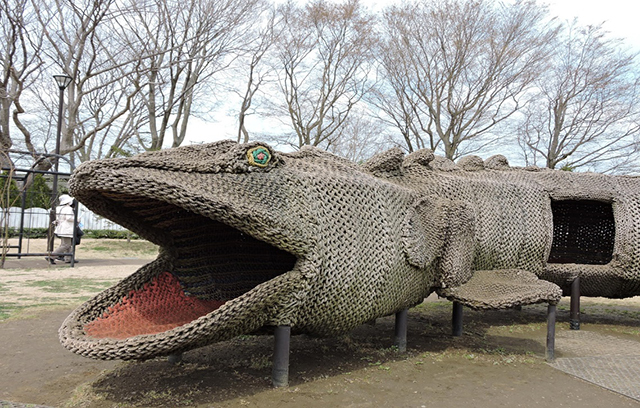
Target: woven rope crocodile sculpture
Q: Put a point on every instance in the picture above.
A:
(250, 237)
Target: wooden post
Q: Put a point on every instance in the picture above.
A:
(401, 330)
(456, 319)
(574, 315)
(280, 371)
(551, 332)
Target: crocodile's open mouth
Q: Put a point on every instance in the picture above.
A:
(205, 268)
(212, 264)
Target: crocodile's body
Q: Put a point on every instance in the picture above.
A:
(321, 244)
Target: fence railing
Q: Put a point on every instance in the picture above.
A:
(39, 218)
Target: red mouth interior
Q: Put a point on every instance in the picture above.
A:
(159, 306)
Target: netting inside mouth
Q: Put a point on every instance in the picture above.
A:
(159, 306)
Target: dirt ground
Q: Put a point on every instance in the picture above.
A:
(499, 360)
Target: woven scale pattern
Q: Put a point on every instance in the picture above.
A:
(322, 244)
(502, 289)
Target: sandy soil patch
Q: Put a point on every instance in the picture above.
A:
(32, 281)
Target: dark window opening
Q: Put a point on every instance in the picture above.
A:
(583, 232)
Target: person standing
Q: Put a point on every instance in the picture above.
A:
(64, 222)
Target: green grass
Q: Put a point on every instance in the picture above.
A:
(436, 306)
(101, 248)
(23, 305)
(70, 285)
(10, 310)
(626, 330)
(633, 314)
(139, 247)
(260, 362)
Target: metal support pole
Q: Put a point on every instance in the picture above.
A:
(54, 189)
(76, 210)
(63, 82)
(23, 204)
(456, 320)
(574, 316)
(401, 330)
(551, 332)
(280, 372)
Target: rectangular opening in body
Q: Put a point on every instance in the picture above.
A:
(583, 232)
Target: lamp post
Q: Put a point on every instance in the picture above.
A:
(63, 82)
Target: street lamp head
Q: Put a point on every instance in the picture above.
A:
(63, 81)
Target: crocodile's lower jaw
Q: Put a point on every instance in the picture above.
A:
(211, 282)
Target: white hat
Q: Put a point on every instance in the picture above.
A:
(65, 199)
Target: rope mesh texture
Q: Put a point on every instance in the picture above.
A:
(159, 306)
(319, 243)
(498, 289)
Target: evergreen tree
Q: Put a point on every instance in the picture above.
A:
(9, 192)
(38, 194)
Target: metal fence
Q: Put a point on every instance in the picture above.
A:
(39, 218)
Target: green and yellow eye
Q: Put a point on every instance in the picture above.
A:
(259, 156)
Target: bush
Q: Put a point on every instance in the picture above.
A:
(42, 233)
(112, 234)
(38, 194)
(13, 196)
(27, 232)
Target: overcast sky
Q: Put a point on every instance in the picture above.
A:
(620, 17)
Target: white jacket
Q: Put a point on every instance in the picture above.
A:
(64, 221)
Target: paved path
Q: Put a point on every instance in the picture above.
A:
(604, 360)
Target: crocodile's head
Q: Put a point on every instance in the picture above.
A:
(233, 228)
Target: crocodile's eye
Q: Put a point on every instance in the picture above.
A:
(258, 156)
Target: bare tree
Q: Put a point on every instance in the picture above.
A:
(140, 69)
(360, 137)
(181, 46)
(20, 62)
(323, 57)
(398, 109)
(587, 106)
(258, 73)
(119, 138)
(81, 41)
(461, 67)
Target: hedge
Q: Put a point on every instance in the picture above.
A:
(43, 232)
